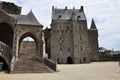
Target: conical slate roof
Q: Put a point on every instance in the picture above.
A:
(93, 26)
(28, 19)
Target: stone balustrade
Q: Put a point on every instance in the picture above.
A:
(6, 50)
(50, 64)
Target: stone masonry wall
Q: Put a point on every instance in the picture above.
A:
(28, 47)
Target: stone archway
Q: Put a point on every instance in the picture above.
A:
(5, 66)
(84, 59)
(69, 60)
(6, 34)
(6, 37)
(28, 55)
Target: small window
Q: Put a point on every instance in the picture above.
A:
(81, 37)
(62, 31)
(78, 17)
(81, 48)
(68, 49)
(60, 26)
(61, 38)
(58, 60)
(60, 48)
(67, 28)
(80, 27)
(59, 16)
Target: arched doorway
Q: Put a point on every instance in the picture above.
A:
(84, 59)
(28, 46)
(6, 34)
(69, 60)
(58, 61)
(4, 64)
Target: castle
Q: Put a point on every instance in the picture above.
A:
(68, 41)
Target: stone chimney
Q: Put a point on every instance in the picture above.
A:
(52, 7)
(73, 7)
(81, 9)
(65, 7)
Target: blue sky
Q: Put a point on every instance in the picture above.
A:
(106, 14)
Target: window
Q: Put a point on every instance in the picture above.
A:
(58, 60)
(61, 38)
(78, 17)
(67, 28)
(68, 49)
(59, 16)
(80, 27)
(81, 48)
(60, 26)
(81, 37)
(60, 48)
(0, 46)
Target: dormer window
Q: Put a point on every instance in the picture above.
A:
(78, 17)
(59, 16)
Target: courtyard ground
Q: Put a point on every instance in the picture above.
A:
(91, 71)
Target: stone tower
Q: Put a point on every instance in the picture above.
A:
(71, 41)
(93, 41)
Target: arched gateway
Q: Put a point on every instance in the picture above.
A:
(14, 27)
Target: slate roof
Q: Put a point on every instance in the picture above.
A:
(66, 14)
(28, 19)
(93, 26)
(1, 1)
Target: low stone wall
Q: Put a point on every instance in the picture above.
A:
(28, 47)
(52, 65)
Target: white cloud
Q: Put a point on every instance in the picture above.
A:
(105, 12)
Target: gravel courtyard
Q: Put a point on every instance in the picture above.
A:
(92, 71)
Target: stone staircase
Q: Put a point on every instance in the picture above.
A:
(30, 66)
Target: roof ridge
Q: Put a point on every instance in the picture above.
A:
(32, 17)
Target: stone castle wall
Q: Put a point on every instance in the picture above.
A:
(28, 47)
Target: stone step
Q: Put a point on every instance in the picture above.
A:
(30, 66)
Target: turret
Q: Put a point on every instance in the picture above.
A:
(93, 26)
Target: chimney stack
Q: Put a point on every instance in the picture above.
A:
(65, 7)
(81, 9)
(52, 7)
(73, 7)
